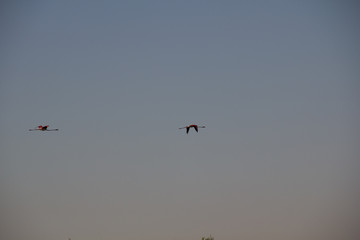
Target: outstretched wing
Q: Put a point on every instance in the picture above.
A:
(196, 128)
(36, 129)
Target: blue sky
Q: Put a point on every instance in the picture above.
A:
(276, 84)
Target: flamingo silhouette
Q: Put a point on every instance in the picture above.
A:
(43, 128)
(196, 127)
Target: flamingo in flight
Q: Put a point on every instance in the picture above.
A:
(196, 127)
(43, 128)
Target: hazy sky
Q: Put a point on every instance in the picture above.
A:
(275, 82)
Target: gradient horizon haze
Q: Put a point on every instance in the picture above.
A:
(276, 83)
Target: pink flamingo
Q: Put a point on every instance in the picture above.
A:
(43, 128)
(196, 127)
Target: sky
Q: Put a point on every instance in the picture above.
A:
(276, 83)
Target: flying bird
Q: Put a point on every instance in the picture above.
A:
(43, 128)
(196, 127)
